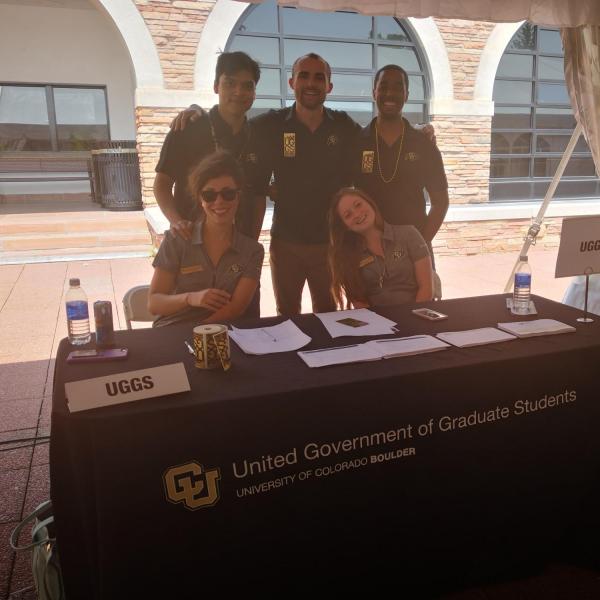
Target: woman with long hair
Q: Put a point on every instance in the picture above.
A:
(374, 263)
(212, 277)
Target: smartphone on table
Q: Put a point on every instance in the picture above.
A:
(97, 355)
(429, 314)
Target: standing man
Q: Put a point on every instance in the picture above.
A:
(306, 148)
(394, 163)
(223, 128)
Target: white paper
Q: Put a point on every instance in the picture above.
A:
(373, 350)
(537, 327)
(475, 337)
(339, 356)
(126, 387)
(283, 337)
(416, 344)
(374, 324)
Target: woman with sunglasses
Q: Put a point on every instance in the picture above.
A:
(372, 262)
(212, 277)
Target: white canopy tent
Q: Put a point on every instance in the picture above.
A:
(579, 21)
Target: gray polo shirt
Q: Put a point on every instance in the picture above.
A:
(391, 279)
(194, 270)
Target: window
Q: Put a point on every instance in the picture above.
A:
(354, 45)
(47, 117)
(533, 122)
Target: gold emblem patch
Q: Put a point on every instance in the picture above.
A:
(289, 145)
(251, 158)
(411, 156)
(235, 268)
(368, 160)
(398, 254)
(192, 485)
(332, 140)
(191, 269)
(366, 261)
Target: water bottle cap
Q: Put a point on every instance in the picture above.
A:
(74, 282)
(523, 258)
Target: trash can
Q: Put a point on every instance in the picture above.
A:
(116, 177)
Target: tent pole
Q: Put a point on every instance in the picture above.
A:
(536, 224)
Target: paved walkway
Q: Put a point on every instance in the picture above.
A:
(32, 323)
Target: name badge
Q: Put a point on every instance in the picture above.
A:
(366, 261)
(368, 160)
(289, 145)
(191, 269)
(126, 387)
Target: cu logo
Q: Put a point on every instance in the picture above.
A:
(192, 485)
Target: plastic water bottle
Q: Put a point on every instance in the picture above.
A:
(522, 289)
(78, 317)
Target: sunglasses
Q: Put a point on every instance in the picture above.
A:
(228, 194)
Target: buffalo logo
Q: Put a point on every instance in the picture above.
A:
(289, 145)
(192, 485)
(332, 140)
(411, 156)
(398, 254)
(368, 160)
(252, 158)
(235, 268)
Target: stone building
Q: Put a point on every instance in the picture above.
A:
(78, 70)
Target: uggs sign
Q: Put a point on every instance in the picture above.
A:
(126, 387)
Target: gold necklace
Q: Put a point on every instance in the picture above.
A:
(397, 157)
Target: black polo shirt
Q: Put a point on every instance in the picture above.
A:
(183, 150)
(308, 168)
(420, 167)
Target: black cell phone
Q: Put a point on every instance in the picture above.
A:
(97, 355)
(430, 315)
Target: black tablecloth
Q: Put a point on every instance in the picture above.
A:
(426, 469)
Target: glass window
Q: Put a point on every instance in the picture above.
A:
(397, 55)
(389, 29)
(355, 46)
(262, 105)
(263, 50)
(551, 68)
(517, 92)
(555, 118)
(52, 117)
(24, 122)
(261, 19)
(524, 39)
(512, 117)
(552, 93)
(516, 65)
(509, 167)
(549, 41)
(511, 143)
(528, 141)
(269, 83)
(80, 117)
(339, 55)
(322, 24)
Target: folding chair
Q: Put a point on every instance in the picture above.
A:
(135, 305)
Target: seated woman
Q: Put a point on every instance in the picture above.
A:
(212, 277)
(372, 262)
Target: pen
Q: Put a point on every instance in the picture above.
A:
(327, 349)
(189, 347)
(269, 334)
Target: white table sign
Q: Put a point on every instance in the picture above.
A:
(579, 251)
(126, 387)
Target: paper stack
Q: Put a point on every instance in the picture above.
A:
(538, 327)
(475, 337)
(373, 350)
(283, 337)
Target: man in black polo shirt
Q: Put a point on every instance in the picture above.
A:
(307, 149)
(223, 128)
(394, 163)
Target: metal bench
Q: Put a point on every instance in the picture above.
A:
(48, 166)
